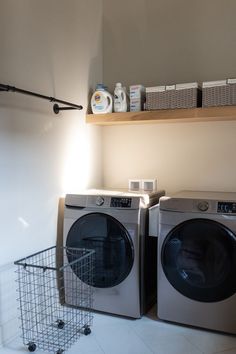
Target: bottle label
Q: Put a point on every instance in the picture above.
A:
(101, 102)
(97, 97)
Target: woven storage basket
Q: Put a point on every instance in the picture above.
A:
(159, 100)
(187, 98)
(184, 97)
(216, 96)
(233, 94)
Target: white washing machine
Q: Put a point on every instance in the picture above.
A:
(114, 224)
(197, 260)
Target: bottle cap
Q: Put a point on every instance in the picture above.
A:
(101, 87)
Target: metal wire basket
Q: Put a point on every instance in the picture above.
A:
(44, 281)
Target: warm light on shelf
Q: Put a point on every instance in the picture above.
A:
(223, 113)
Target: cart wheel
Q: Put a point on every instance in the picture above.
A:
(60, 325)
(87, 331)
(32, 347)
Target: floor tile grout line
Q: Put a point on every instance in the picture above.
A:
(136, 334)
(209, 352)
(146, 344)
(193, 344)
(140, 330)
(95, 338)
(224, 351)
(177, 334)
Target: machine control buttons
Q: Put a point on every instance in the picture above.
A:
(99, 201)
(226, 207)
(121, 202)
(203, 206)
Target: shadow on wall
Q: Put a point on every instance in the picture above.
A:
(9, 322)
(9, 314)
(60, 220)
(94, 78)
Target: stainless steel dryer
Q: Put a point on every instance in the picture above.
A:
(114, 224)
(197, 260)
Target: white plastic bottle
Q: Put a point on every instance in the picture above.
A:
(121, 100)
(102, 100)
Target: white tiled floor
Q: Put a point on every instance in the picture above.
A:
(115, 335)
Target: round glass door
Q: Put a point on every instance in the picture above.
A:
(114, 255)
(199, 259)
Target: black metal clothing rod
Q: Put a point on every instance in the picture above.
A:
(51, 99)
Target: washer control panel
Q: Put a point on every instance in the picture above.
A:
(99, 201)
(226, 207)
(203, 205)
(117, 202)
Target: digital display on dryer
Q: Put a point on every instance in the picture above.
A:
(226, 207)
(121, 202)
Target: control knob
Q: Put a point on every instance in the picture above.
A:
(203, 206)
(99, 201)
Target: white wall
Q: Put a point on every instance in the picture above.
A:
(181, 156)
(54, 48)
(158, 42)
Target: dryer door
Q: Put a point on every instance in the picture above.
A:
(199, 259)
(114, 254)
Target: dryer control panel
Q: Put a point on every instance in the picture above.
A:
(117, 202)
(226, 207)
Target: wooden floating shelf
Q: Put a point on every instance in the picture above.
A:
(225, 113)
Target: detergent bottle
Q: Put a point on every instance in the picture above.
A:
(120, 98)
(101, 101)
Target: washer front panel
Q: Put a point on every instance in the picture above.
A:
(198, 257)
(114, 253)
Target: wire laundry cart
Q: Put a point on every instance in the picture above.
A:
(46, 285)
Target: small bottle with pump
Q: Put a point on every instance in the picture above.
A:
(102, 100)
(121, 99)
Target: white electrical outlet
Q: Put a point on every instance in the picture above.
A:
(135, 184)
(149, 184)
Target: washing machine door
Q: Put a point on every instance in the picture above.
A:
(199, 259)
(114, 254)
